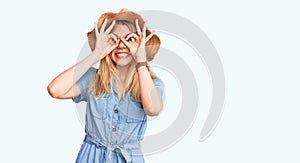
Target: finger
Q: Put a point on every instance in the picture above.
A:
(144, 29)
(148, 37)
(138, 29)
(111, 48)
(125, 42)
(96, 29)
(117, 42)
(110, 27)
(103, 26)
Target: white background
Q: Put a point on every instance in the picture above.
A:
(258, 43)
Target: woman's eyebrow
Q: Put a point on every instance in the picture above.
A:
(123, 37)
(115, 35)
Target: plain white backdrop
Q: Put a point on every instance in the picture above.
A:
(258, 43)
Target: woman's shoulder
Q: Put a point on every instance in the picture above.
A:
(88, 76)
(157, 82)
(90, 73)
(92, 70)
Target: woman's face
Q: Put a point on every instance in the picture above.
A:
(121, 54)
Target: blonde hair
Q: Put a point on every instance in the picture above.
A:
(107, 70)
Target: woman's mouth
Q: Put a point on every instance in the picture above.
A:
(122, 54)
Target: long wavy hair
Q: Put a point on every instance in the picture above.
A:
(107, 71)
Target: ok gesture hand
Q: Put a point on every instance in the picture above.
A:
(105, 41)
(137, 42)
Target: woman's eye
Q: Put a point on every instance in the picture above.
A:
(113, 40)
(131, 39)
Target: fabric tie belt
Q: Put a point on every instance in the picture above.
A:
(124, 149)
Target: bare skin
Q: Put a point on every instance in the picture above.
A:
(124, 51)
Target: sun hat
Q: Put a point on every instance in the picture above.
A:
(153, 44)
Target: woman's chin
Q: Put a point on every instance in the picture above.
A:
(122, 60)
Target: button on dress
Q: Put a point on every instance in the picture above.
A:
(114, 127)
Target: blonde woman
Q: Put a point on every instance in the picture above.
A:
(120, 93)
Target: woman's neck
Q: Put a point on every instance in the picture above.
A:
(122, 75)
(122, 72)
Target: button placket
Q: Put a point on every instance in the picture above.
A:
(116, 115)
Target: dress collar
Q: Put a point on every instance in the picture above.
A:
(113, 89)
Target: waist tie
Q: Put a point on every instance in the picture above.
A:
(125, 149)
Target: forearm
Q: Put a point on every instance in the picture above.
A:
(66, 80)
(151, 98)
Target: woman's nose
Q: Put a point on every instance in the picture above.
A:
(121, 44)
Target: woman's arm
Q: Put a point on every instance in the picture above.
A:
(151, 98)
(64, 85)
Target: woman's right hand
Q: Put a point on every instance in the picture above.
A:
(105, 41)
(64, 85)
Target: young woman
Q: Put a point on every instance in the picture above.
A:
(120, 93)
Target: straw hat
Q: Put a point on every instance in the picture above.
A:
(152, 46)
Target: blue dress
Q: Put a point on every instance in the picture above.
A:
(114, 128)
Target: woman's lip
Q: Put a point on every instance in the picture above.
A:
(122, 55)
(121, 52)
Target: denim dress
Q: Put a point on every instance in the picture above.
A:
(114, 128)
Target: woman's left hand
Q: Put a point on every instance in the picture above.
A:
(137, 43)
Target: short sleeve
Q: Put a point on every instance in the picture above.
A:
(159, 86)
(83, 83)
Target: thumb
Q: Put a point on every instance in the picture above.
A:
(125, 42)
